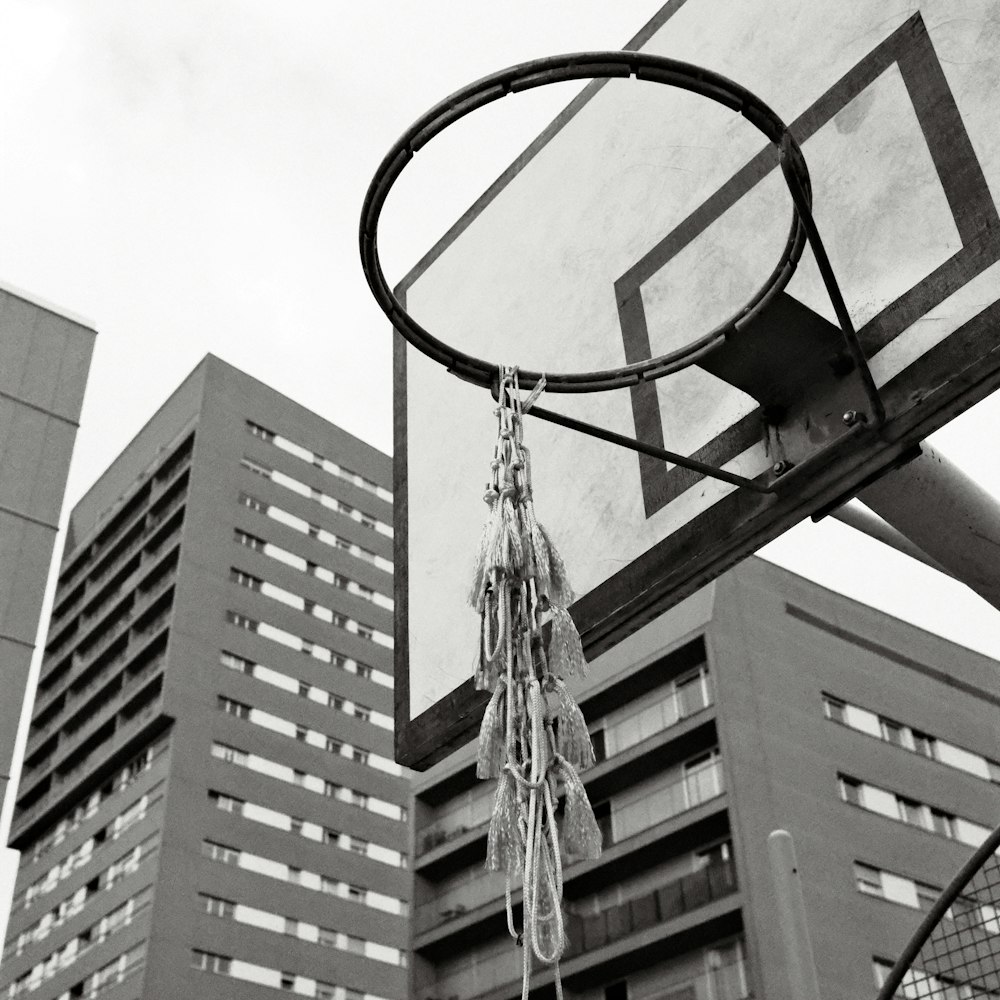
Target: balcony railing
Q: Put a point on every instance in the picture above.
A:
(62, 783)
(588, 933)
(674, 709)
(109, 709)
(624, 822)
(120, 591)
(82, 661)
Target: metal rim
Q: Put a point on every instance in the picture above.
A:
(539, 73)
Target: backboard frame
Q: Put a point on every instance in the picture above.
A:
(682, 563)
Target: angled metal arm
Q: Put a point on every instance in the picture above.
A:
(649, 449)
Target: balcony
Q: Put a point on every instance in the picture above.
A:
(121, 590)
(109, 709)
(589, 932)
(130, 734)
(679, 916)
(635, 737)
(81, 662)
(455, 839)
(150, 524)
(105, 714)
(636, 830)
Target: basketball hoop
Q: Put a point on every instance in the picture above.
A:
(654, 69)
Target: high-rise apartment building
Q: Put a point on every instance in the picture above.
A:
(762, 702)
(209, 807)
(44, 361)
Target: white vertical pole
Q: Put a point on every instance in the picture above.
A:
(947, 515)
(791, 907)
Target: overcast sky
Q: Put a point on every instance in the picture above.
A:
(188, 174)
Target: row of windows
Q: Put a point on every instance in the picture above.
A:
(315, 459)
(912, 812)
(304, 565)
(97, 933)
(88, 807)
(315, 531)
(310, 648)
(80, 855)
(128, 864)
(304, 690)
(966, 912)
(306, 879)
(310, 607)
(914, 740)
(116, 971)
(305, 828)
(310, 782)
(310, 736)
(262, 975)
(229, 909)
(311, 493)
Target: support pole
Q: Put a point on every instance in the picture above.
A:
(944, 513)
(791, 908)
(864, 520)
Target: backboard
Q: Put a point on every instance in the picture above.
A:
(642, 217)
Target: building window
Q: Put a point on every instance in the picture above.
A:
(250, 541)
(867, 879)
(220, 852)
(218, 907)
(926, 896)
(834, 709)
(238, 663)
(262, 432)
(241, 621)
(229, 754)
(209, 962)
(226, 802)
(231, 707)
(245, 579)
(892, 732)
(923, 744)
(912, 812)
(850, 790)
(253, 503)
(257, 467)
(942, 823)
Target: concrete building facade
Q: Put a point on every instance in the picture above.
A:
(44, 361)
(209, 806)
(763, 702)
